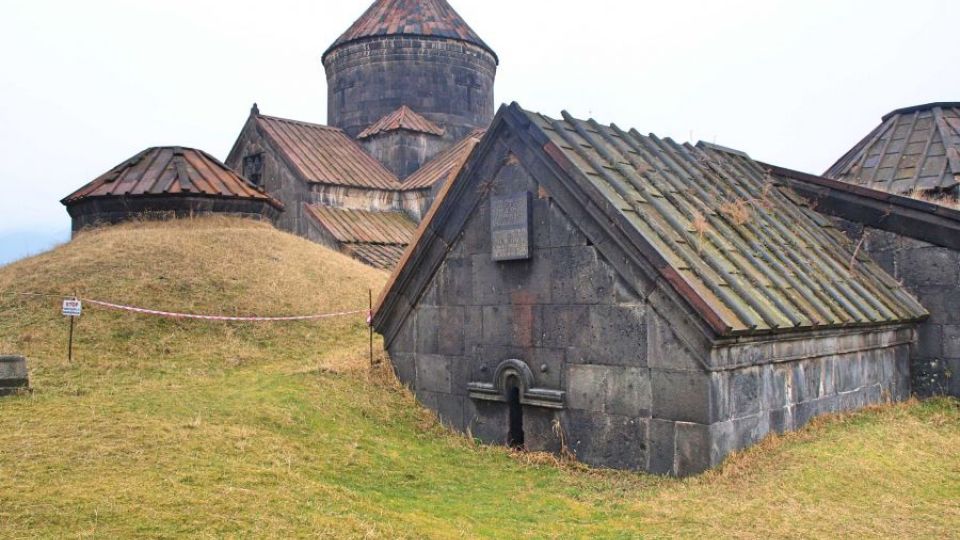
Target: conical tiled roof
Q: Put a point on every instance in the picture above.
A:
(171, 171)
(402, 118)
(914, 149)
(433, 18)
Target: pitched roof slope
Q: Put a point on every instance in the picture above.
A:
(402, 118)
(325, 155)
(431, 18)
(171, 171)
(445, 165)
(917, 148)
(725, 236)
(376, 238)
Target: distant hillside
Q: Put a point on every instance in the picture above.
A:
(15, 245)
(173, 428)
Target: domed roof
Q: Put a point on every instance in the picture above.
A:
(429, 18)
(171, 171)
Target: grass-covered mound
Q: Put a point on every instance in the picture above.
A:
(185, 428)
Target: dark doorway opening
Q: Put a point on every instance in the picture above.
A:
(515, 437)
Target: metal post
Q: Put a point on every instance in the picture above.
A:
(70, 345)
(370, 314)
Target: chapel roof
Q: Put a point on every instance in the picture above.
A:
(403, 118)
(429, 18)
(325, 155)
(740, 251)
(376, 238)
(915, 149)
(171, 171)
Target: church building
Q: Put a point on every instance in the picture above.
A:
(409, 93)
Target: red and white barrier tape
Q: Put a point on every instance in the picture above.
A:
(172, 315)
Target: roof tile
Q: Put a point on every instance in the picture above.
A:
(403, 118)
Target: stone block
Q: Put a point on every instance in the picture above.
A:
(604, 440)
(428, 323)
(405, 367)
(450, 331)
(930, 266)
(538, 430)
(941, 303)
(563, 232)
(497, 325)
(930, 341)
(781, 420)
(629, 392)
(434, 374)
(565, 326)
(587, 387)
(548, 368)
(488, 421)
(694, 452)
(579, 277)
(13, 368)
(618, 335)
(850, 373)
(661, 447)
(775, 380)
(456, 282)
(609, 389)
(406, 340)
(951, 340)
(664, 349)
(681, 396)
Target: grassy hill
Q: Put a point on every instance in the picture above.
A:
(166, 428)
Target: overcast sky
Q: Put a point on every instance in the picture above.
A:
(87, 84)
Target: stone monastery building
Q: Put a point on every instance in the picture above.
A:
(561, 284)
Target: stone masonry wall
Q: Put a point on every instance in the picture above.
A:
(932, 274)
(404, 152)
(636, 397)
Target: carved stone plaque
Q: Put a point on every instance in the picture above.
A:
(510, 227)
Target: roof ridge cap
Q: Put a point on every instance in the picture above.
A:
(301, 122)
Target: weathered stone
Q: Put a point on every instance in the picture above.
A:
(428, 326)
(14, 376)
(951, 340)
(605, 440)
(433, 373)
(694, 453)
(681, 396)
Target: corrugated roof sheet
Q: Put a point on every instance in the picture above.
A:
(914, 149)
(377, 238)
(725, 236)
(402, 118)
(433, 18)
(326, 155)
(445, 165)
(171, 171)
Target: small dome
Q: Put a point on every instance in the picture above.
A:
(168, 180)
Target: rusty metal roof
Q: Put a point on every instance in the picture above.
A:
(721, 231)
(914, 149)
(445, 165)
(325, 155)
(171, 171)
(376, 238)
(426, 18)
(402, 118)
(382, 256)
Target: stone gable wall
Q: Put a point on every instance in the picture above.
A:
(932, 274)
(636, 396)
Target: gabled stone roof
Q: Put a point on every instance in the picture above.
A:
(913, 149)
(403, 118)
(171, 171)
(426, 18)
(718, 231)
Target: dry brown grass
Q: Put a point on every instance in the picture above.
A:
(190, 429)
(738, 211)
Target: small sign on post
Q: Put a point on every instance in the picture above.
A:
(72, 308)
